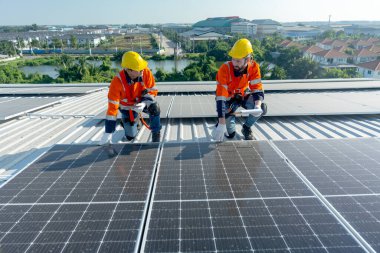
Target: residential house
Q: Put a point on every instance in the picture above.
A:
(310, 51)
(359, 44)
(289, 43)
(370, 69)
(330, 57)
(328, 44)
(365, 55)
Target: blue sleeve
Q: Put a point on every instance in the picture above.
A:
(110, 126)
(258, 96)
(221, 108)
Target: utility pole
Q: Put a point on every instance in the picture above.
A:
(329, 20)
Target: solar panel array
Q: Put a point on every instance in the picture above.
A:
(193, 106)
(284, 104)
(347, 173)
(275, 85)
(78, 198)
(234, 196)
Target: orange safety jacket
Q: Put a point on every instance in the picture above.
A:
(228, 84)
(124, 93)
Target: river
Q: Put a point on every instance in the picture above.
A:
(166, 65)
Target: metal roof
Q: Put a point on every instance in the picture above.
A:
(24, 139)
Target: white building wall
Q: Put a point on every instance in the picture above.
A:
(369, 73)
(244, 28)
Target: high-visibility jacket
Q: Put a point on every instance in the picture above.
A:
(228, 84)
(124, 93)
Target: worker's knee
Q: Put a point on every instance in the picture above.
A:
(154, 109)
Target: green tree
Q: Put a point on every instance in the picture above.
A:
(278, 73)
(220, 51)
(304, 68)
(57, 43)
(201, 47)
(73, 41)
(66, 61)
(264, 70)
(35, 43)
(7, 48)
(34, 27)
(161, 75)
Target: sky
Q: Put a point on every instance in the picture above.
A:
(87, 12)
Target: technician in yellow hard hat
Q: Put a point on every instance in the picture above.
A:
(238, 84)
(132, 91)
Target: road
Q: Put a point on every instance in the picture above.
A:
(168, 46)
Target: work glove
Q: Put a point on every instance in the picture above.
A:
(106, 139)
(257, 111)
(218, 132)
(139, 107)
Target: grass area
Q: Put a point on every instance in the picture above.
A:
(129, 42)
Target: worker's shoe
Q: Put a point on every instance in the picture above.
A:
(231, 135)
(156, 137)
(247, 132)
(127, 138)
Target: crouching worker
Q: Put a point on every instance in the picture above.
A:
(238, 85)
(132, 91)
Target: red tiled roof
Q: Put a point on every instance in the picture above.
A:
(294, 44)
(334, 43)
(326, 41)
(331, 54)
(312, 49)
(374, 48)
(373, 40)
(338, 43)
(372, 65)
(342, 48)
(362, 43)
(365, 52)
(285, 42)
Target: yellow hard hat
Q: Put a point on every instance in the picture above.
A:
(132, 60)
(242, 48)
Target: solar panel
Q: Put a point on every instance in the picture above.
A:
(286, 104)
(193, 106)
(292, 104)
(236, 196)
(336, 167)
(78, 198)
(347, 173)
(233, 196)
(363, 213)
(275, 85)
(15, 106)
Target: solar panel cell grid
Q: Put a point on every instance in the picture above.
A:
(236, 197)
(78, 198)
